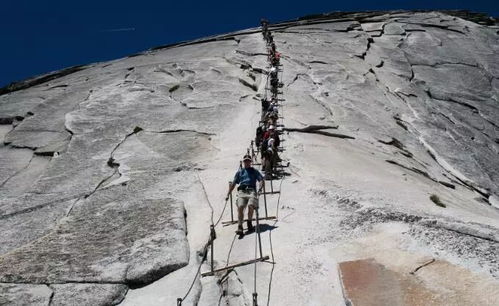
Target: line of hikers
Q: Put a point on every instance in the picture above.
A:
(267, 135)
(267, 141)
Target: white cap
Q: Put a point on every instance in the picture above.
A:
(271, 127)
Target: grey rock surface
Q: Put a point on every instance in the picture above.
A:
(94, 161)
(88, 294)
(438, 76)
(92, 164)
(22, 294)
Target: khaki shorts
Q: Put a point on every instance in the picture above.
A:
(247, 198)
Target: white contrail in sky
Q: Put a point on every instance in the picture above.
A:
(119, 30)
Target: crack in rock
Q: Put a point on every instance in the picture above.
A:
(318, 130)
(421, 172)
(318, 62)
(463, 230)
(40, 206)
(296, 78)
(18, 171)
(473, 108)
(112, 164)
(432, 25)
(438, 64)
(396, 143)
(178, 131)
(11, 120)
(15, 86)
(422, 266)
(400, 122)
(449, 169)
(254, 87)
(251, 53)
(323, 105)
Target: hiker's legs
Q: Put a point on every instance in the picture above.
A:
(252, 205)
(268, 167)
(250, 213)
(264, 162)
(242, 201)
(240, 215)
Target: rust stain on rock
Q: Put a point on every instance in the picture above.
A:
(368, 283)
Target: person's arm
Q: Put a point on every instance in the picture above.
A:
(231, 187)
(233, 184)
(260, 188)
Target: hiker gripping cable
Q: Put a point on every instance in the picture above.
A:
(247, 195)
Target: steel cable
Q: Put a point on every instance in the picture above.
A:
(214, 224)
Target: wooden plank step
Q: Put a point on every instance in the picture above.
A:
(249, 262)
(227, 223)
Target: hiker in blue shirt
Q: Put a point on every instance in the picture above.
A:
(247, 195)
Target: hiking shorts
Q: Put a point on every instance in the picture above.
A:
(245, 198)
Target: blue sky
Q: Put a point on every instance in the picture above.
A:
(42, 36)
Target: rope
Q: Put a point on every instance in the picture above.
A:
(273, 266)
(205, 248)
(206, 196)
(270, 242)
(205, 251)
(221, 214)
(279, 199)
(211, 206)
(256, 254)
(230, 250)
(223, 278)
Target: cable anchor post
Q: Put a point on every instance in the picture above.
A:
(255, 299)
(253, 156)
(179, 302)
(265, 199)
(213, 236)
(231, 204)
(258, 232)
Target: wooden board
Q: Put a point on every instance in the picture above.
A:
(210, 273)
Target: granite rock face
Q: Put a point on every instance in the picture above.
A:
(95, 161)
(88, 294)
(20, 294)
(433, 75)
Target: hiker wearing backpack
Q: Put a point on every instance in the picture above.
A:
(274, 81)
(265, 105)
(260, 130)
(247, 195)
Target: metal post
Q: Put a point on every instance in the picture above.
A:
(253, 151)
(255, 299)
(265, 198)
(258, 233)
(212, 239)
(231, 205)
(179, 302)
(271, 186)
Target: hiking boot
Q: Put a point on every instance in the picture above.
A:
(239, 230)
(251, 228)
